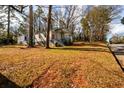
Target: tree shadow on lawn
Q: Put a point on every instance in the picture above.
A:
(18, 46)
(95, 45)
(89, 44)
(6, 83)
(12, 46)
(84, 49)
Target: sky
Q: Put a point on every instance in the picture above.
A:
(116, 27)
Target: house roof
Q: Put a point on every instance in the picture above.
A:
(61, 30)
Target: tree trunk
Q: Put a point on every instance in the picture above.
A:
(31, 39)
(90, 36)
(39, 25)
(49, 25)
(8, 29)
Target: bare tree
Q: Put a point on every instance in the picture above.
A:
(68, 17)
(8, 29)
(49, 25)
(31, 40)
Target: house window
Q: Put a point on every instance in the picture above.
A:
(53, 37)
(25, 38)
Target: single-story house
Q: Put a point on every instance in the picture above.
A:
(56, 36)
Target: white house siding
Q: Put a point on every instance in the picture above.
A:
(50, 35)
(21, 40)
(41, 37)
(37, 38)
(57, 36)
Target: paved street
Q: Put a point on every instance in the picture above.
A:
(118, 50)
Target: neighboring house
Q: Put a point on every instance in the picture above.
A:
(22, 39)
(59, 36)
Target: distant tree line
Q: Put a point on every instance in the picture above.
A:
(117, 39)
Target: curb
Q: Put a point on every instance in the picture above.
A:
(115, 58)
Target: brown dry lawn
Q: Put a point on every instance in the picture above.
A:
(80, 65)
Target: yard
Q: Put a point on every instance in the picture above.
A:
(80, 65)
